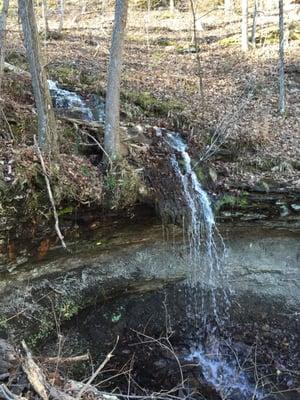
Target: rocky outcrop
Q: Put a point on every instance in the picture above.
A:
(277, 207)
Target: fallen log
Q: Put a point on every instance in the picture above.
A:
(91, 125)
(16, 70)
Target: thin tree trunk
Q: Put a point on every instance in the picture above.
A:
(3, 18)
(282, 105)
(47, 131)
(112, 108)
(197, 49)
(254, 22)
(45, 17)
(61, 15)
(245, 44)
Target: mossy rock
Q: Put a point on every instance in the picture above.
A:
(271, 35)
(147, 102)
(17, 58)
(88, 77)
(67, 74)
(232, 201)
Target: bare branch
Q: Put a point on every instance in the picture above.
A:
(57, 228)
(98, 370)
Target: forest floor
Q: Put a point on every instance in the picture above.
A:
(160, 87)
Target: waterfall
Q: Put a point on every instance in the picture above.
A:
(205, 256)
(66, 100)
(209, 306)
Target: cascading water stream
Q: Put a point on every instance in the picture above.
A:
(75, 104)
(205, 256)
(209, 306)
(206, 251)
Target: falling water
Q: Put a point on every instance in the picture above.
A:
(204, 255)
(92, 110)
(209, 306)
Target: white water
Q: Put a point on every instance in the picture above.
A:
(222, 371)
(225, 374)
(63, 99)
(205, 257)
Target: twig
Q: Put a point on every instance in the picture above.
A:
(57, 228)
(167, 347)
(65, 360)
(99, 145)
(12, 137)
(98, 370)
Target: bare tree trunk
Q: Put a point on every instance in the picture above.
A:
(245, 44)
(197, 49)
(253, 36)
(112, 109)
(3, 18)
(47, 131)
(61, 15)
(282, 105)
(45, 17)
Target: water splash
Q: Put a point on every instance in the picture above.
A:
(224, 373)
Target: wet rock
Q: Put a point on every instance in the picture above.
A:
(8, 358)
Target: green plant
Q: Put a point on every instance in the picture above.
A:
(69, 309)
(229, 200)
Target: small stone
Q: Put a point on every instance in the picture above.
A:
(213, 174)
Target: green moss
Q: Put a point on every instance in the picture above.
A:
(58, 310)
(3, 323)
(147, 102)
(199, 171)
(45, 329)
(167, 14)
(69, 309)
(88, 78)
(66, 74)
(164, 42)
(229, 41)
(135, 38)
(228, 200)
(65, 211)
(271, 35)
